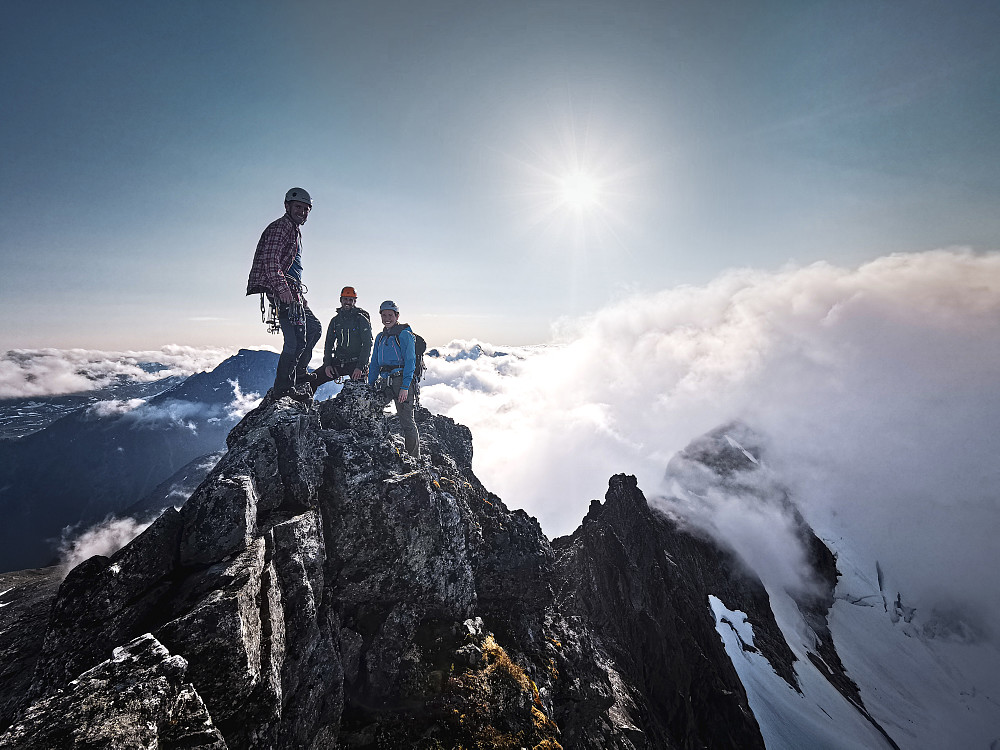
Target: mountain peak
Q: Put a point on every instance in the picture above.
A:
(321, 588)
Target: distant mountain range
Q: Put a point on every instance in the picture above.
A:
(23, 416)
(85, 456)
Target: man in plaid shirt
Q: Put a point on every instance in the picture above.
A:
(277, 272)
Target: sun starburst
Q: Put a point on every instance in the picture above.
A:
(580, 191)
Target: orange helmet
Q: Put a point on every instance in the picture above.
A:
(348, 291)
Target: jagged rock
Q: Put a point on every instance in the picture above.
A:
(103, 603)
(136, 699)
(643, 586)
(325, 590)
(314, 553)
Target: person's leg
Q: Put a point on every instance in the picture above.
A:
(294, 342)
(340, 369)
(411, 437)
(311, 333)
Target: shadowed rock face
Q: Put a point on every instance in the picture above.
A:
(641, 585)
(321, 589)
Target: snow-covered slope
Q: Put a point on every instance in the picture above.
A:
(910, 674)
(930, 682)
(931, 678)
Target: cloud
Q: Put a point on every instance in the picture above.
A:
(875, 386)
(722, 486)
(113, 408)
(241, 403)
(45, 372)
(175, 412)
(171, 412)
(104, 538)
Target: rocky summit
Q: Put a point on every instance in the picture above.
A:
(322, 589)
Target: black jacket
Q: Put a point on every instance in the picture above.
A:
(348, 337)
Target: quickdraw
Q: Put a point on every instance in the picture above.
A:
(269, 316)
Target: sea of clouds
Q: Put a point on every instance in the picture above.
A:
(875, 388)
(26, 373)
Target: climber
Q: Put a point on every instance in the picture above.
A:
(348, 340)
(277, 274)
(392, 370)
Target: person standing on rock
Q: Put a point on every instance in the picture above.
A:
(348, 340)
(277, 274)
(394, 361)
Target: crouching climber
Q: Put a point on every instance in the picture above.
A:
(348, 340)
(393, 367)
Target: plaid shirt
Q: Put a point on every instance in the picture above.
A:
(275, 252)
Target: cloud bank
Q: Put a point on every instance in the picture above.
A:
(104, 538)
(171, 412)
(876, 388)
(47, 372)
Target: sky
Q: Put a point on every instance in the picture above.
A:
(782, 212)
(495, 168)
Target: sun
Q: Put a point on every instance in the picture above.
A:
(580, 191)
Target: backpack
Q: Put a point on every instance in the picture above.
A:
(419, 347)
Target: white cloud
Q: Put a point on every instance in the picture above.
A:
(172, 412)
(242, 403)
(46, 372)
(175, 412)
(104, 538)
(876, 387)
(113, 408)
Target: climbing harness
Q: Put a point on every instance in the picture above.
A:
(296, 310)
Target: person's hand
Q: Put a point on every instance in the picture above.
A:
(329, 371)
(403, 393)
(286, 296)
(357, 374)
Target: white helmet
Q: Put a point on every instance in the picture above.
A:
(298, 194)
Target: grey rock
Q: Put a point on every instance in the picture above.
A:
(136, 699)
(324, 590)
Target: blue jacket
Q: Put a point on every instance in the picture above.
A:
(395, 349)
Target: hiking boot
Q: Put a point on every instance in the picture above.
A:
(302, 393)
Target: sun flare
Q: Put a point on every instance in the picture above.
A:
(580, 191)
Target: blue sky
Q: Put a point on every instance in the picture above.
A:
(145, 147)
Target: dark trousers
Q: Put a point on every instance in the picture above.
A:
(407, 423)
(340, 369)
(297, 350)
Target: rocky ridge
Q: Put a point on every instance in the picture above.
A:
(320, 589)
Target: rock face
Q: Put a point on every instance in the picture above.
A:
(321, 589)
(673, 677)
(136, 699)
